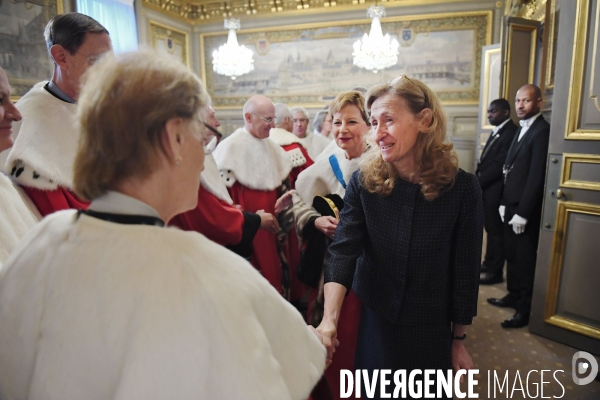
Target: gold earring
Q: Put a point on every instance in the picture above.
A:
(178, 159)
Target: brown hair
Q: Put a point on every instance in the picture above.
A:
(437, 161)
(124, 105)
(351, 97)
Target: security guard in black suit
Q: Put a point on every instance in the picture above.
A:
(491, 180)
(521, 209)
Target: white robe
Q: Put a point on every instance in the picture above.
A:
(319, 179)
(314, 144)
(97, 310)
(285, 138)
(211, 180)
(259, 164)
(17, 216)
(47, 141)
(331, 148)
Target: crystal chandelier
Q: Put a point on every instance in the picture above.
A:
(232, 59)
(375, 51)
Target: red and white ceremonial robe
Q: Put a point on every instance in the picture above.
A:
(41, 160)
(300, 161)
(253, 170)
(215, 215)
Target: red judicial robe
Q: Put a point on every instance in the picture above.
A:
(41, 160)
(253, 170)
(300, 161)
(215, 215)
(49, 201)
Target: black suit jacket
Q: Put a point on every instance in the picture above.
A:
(524, 183)
(489, 168)
(411, 261)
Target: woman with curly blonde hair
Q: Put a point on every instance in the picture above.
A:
(408, 242)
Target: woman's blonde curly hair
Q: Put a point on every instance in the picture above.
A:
(436, 160)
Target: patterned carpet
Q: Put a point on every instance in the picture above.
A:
(496, 349)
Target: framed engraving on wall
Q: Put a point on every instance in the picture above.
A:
(170, 40)
(310, 64)
(23, 53)
(490, 84)
(550, 40)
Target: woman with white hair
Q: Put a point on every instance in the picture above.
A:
(109, 303)
(322, 124)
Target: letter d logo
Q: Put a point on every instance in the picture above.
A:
(581, 367)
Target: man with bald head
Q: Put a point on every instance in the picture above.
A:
(216, 216)
(255, 170)
(521, 206)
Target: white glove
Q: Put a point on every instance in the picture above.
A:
(518, 224)
(501, 211)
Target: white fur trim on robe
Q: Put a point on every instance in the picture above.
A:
(46, 143)
(314, 144)
(283, 137)
(259, 164)
(16, 217)
(319, 179)
(211, 180)
(331, 148)
(141, 312)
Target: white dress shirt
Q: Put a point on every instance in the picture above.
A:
(498, 127)
(525, 124)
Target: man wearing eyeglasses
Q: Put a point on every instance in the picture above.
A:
(255, 170)
(314, 144)
(42, 158)
(215, 215)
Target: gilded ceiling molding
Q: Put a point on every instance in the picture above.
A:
(196, 12)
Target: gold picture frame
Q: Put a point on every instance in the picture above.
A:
(564, 212)
(577, 91)
(490, 84)
(297, 44)
(549, 43)
(172, 41)
(24, 56)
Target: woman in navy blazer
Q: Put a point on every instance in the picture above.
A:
(409, 240)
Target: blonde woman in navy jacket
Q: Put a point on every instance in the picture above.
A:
(409, 240)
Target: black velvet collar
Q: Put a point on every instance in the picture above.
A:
(123, 218)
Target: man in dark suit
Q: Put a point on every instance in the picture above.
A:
(489, 173)
(521, 209)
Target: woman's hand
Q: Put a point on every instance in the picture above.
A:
(268, 222)
(284, 202)
(327, 331)
(460, 358)
(327, 225)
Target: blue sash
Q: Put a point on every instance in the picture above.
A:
(335, 166)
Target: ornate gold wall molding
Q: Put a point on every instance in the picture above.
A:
(528, 9)
(580, 85)
(553, 316)
(198, 12)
